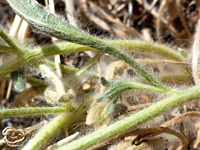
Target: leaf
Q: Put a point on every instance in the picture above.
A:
(105, 82)
(53, 25)
(111, 106)
(19, 79)
(115, 91)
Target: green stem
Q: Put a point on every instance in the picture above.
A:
(87, 65)
(38, 54)
(36, 82)
(148, 47)
(133, 121)
(123, 86)
(32, 111)
(9, 41)
(53, 25)
(47, 132)
(50, 130)
(71, 69)
(63, 67)
(83, 69)
(50, 50)
(6, 49)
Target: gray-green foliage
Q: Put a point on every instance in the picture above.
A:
(55, 26)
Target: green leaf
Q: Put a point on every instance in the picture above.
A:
(111, 106)
(19, 79)
(105, 82)
(53, 25)
(118, 87)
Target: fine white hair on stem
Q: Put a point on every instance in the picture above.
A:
(195, 54)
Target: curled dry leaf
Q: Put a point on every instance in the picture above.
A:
(13, 137)
(144, 135)
(24, 98)
(16, 137)
(114, 68)
(97, 114)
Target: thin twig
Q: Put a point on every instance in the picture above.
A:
(181, 118)
(158, 20)
(70, 4)
(182, 19)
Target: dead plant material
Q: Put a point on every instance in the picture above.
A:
(96, 114)
(138, 106)
(8, 93)
(119, 66)
(197, 141)
(195, 54)
(182, 19)
(24, 99)
(143, 135)
(63, 141)
(146, 135)
(181, 118)
(198, 6)
(113, 25)
(115, 68)
(71, 13)
(156, 14)
(16, 137)
(158, 20)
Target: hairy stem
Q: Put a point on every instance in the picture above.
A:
(47, 132)
(38, 54)
(32, 111)
(148, 47)
(83, 69)
(71, 69)
(9, 41)
(6, 49)
(61, 48)
(50, 130)
(133, 121)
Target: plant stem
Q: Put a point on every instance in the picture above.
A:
(53, 25)
(61, 48)
(47, 132)
(54, 79)
(32, 111)
(50, 130)
(87, 65)
(37, 54)
(9, 41)
(71, 69)
(6, 49)
(83, 69)
(148, 47)
(133, 121)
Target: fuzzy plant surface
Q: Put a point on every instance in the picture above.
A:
(48, 23)
(69, 111)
